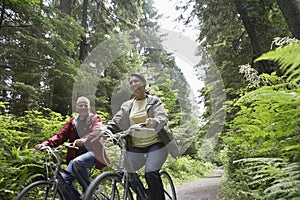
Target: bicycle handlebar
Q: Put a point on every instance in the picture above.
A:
(58, 149)
(121, 134)
(55, 151)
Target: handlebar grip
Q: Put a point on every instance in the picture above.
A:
(42, 148)
(70, 145)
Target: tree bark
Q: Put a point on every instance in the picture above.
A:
(250, 28)
(2, 13)
(291, 12)
(83, 44)
(262, 66)
(66, 6)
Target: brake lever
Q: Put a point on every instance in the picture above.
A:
(70, 145)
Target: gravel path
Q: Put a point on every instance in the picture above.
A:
(202, 189)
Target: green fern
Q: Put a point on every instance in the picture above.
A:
(262, 150)
(287, 183)
(283, 178)
(289, 59)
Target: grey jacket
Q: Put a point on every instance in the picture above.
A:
(154, 108)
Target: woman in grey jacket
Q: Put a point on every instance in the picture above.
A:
(143, 148)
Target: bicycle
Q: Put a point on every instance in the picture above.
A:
(54, 187)
(118, 184)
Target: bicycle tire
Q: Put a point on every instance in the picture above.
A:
(39, 190)
(169, 189)
(107, 186)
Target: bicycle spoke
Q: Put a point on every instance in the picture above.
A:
(41, 190)
(107, 186)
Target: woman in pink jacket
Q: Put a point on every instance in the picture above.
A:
(79, 130)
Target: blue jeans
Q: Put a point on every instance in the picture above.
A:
(79, 170)
(153, 157)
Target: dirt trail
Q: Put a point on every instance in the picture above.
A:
(202, 189)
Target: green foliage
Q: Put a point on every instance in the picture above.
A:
(20, 165)
(35, 2)
(226, 40)
(264, 178)
(289, 59)
(265, 127)
(37, 57)
(262, 150)
(209, 151)
(226, 44)
(286, 184)
(187, 169)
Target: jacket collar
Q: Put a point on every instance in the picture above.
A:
(150, 101)
(87, 118)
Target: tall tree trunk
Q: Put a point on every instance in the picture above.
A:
(291, 12)
(258, 49)
(60, 101)
(66, 6)
(2, 13)
(83, 44)
(250, 28)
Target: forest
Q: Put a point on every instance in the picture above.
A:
(53, 51)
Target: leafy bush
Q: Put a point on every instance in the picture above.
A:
(19, 164)
(187, 169)
(262, 150)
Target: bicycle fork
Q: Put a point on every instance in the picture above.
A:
(131, 179)
(138, 187)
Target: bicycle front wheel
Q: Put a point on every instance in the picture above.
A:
(39, 190)
(108, 186)
(169, 189)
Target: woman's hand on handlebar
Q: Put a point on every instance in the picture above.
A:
(150, 122)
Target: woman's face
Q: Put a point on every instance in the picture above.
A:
(136, 85)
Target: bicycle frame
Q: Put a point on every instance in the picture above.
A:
(132, 180)
(125, 166)
(59, 182)
(118, 184)
(54, 186)
(57, 179)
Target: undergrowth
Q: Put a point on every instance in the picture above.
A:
(186, 169)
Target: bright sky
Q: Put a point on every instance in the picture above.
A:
(183, 48)
(167, 9)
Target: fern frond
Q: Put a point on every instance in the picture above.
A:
(261, 180)
(31, 165)
(287, 184)
(34, 177)
(289, 59)
(286, 187)
(263, 160)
